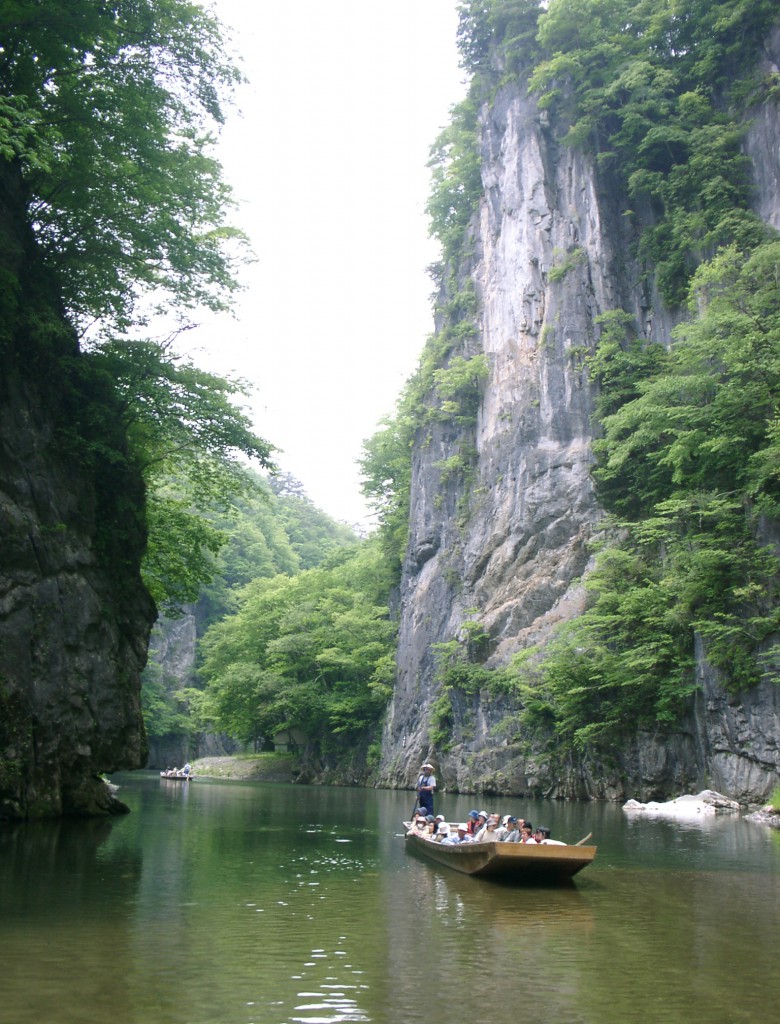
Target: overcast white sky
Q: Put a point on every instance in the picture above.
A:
(328, 159)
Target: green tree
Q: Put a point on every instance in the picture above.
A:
(689, 462)
(312, 652)
(106, 136)
(106, 122)
(268, 531)
(456, 178)
(704, 421)
(188, 438)
(497, 33)
(261, 534)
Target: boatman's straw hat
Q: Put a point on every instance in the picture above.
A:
(426, 765)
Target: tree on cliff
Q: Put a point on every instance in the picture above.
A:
(273, 529)
(187, 435)
(106, 115)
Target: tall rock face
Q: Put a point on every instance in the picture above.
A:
(74, 615)
(552, 246)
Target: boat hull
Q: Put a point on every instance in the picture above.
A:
(514, 862)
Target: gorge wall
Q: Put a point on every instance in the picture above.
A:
(74, 615)
(552, 250)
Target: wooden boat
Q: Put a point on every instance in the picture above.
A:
(177, 776)
(512, 862)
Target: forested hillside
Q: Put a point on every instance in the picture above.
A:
(292, 635)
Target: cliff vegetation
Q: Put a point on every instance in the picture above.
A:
(290, 637)
(650, 101)
(111, 203)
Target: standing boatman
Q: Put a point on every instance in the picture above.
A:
(426, 786)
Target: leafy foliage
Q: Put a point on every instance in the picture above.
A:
(497, 32)
(106, 117)
(436, 393)
(267, 531)
(313, 651)
(689, 457)
(107, 114)
(628, 661)
(187, 436)
(165, 711)
(456, 178)
(461, 677)
(642, 86)
(706, 420)
(262, 534)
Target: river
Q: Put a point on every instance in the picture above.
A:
(245, 903)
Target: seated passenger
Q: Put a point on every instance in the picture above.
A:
(472, 822)
(513, 833)
(542, 836)
(461, 836)
(442, 833)
(503, 829)
(482, 818)
(526, 834)
(488, 833)
(419, 824)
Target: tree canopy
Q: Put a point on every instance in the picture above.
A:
(107, 111)
(263, 534)
(107, 119)
(312, 652)
(189, 439)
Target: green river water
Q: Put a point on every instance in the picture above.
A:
(242, 903)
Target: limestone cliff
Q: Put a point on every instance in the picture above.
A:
(74, 615)
(552, 250)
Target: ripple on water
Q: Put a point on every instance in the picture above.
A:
(331, 1000)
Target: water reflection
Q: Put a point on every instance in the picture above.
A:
(64, 890)
(232, 903)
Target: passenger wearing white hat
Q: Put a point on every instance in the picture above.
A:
(461, 836)
(442, 833)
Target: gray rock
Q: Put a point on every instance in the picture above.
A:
(552, 250)
(74, 615)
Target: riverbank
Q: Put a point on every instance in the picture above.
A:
(248, 767)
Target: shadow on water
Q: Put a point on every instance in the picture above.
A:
(64, 889)
(56, 867)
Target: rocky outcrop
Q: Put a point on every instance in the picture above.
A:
(74, 615)
(706, 804)
(552, 250)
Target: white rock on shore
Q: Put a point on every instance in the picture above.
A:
(704, 804)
